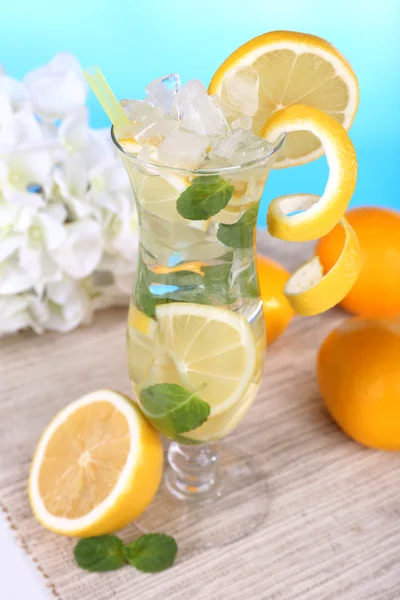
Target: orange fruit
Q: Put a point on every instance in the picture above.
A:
(278, 313)
(376, 292)
(358, 368)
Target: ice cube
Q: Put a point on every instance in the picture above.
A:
(183, 149)
(197, 111)
(154, 133)
(213, 161)
(149, 154)
(241, 146)
(243, 122)
(141, 111)
(161, 92)
(149, 124)
(240, 92)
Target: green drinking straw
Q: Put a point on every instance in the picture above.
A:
(105, 96)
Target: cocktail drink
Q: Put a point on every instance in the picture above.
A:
(196, 334)
(198, 164)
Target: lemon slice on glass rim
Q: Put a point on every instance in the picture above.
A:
(265, 79)
(281, 68)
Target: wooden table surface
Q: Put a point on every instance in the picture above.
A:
(333, 528)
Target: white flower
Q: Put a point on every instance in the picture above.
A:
(58, 88)
(120, 235)
(35, 235)
(68, 305)
(81, 251)
(72, 180)
(74, 132)
(18, 312)
(20, 130)
(24, 176)
(15, 91)
(68, 224)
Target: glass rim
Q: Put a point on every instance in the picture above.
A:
(151, 166)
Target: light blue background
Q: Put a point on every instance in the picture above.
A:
(135, 41)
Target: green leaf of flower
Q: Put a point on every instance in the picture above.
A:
(152, 552)
(240, 234)
(204, 198)
(172, 409)
(101, 553)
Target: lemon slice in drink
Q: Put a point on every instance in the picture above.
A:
(281, 68)
(96, 467)
(221, 425)
(159, 196)
(141, 344)
(211, 346)
(159, 193)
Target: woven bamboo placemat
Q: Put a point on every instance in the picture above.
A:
(333, 529)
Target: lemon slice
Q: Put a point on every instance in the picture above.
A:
(130, 145)
(281, 68)
(141, 344)
(158, 194)
(96, 467)
(321, 216)
(221, 425)
(211, 346)
(309, 292)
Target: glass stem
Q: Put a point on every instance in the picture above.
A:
(193, 472)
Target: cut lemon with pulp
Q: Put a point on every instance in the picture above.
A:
(96, 467)
(211, 346)
(281, 68)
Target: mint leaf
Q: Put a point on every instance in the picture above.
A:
(178, 278)
(240, 234)
(204, 198)
(246, 282)
(217, 282)
(172, 409)
(98, 554)
(188, 294)
(152, 552)
(144, 298)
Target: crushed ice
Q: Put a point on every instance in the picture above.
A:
(184, 127)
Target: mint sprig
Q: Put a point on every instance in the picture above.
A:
(240, 234)
(204, 198)
(99, 554)
(145, 299)
(150, 553)
(217, 282)
(172, 409)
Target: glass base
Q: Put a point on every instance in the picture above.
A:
(215, 512)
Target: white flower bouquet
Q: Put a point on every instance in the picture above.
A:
(68, 225)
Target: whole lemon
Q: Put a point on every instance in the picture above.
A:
(358, 369)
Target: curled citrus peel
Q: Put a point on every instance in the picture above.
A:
(305, 217)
